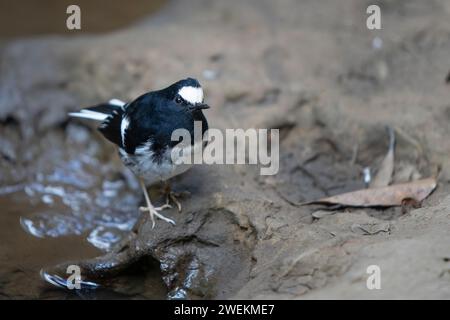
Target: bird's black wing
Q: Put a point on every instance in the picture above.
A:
(148, 128)
(110, 114)
(139, 121)
(110, 127)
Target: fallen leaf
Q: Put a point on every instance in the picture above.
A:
(384, 196)
(384, 175)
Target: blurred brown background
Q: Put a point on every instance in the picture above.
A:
(33, 17)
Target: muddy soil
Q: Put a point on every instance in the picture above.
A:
(311, 69)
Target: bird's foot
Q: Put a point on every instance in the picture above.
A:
(174, 195)
(154, 212)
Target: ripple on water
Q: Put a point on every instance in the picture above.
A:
(81, 196)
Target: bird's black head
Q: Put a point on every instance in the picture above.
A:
(178, 106)
(186, 94)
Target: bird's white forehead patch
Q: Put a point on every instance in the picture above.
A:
(191, 94)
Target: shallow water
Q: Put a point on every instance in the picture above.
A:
(71, 202)
(23, 255)
(61, 199)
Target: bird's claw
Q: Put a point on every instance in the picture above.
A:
(175, 200)
(174, 195)
(154, 212)
(164, 206)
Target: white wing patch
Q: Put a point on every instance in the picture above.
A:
(192, 95)
(123, 127)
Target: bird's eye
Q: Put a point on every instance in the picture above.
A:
(178, 100)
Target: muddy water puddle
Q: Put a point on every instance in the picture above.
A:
(69, 202)
(23, 254)
(60, 203)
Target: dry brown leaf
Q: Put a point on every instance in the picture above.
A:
(384, 196)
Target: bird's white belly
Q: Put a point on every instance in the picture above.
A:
(155, 172)
(144, 166)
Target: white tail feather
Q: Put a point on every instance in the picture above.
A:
(88, 114)
(116, 102)
(99, 116)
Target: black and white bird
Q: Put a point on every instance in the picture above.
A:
(142, 130)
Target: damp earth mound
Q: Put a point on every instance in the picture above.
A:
(311, 70)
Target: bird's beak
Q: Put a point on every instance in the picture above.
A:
(199, 106)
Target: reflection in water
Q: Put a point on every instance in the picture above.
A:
(63, 283)
(61, 196)
(104, 238)
(75, 202)
(78, 201)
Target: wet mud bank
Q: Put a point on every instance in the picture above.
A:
(66, 198)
